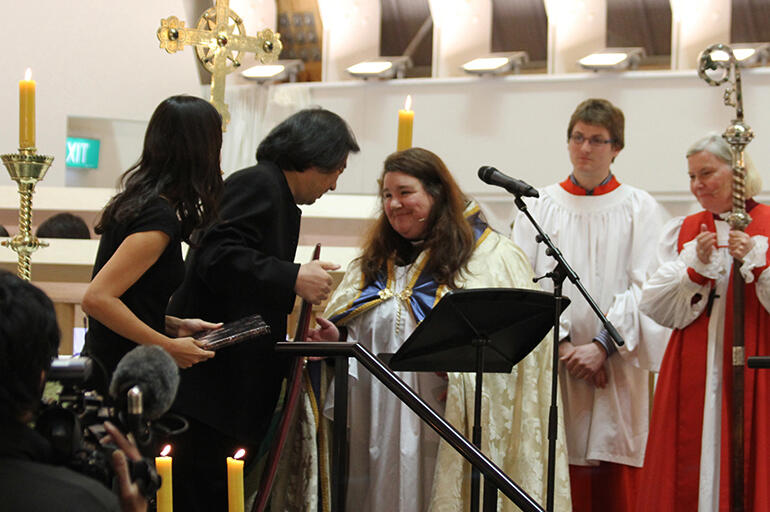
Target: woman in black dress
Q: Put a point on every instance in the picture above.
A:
(172, 190)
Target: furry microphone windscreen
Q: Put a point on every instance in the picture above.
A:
(154, 371)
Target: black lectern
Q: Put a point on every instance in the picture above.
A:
(481, 330)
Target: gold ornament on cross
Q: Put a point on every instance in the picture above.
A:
(219, 40)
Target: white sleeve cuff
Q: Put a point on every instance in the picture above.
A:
(667, 296)
(715, 267)
(756, 257)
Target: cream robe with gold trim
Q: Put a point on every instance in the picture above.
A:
(514, 429)
(514, 406)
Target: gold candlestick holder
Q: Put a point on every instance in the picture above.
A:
(26, 168)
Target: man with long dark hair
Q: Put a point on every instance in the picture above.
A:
(242, 266)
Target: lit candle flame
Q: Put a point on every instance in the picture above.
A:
(28, 74)
(239, 454)
(166, 450)
(407, 103)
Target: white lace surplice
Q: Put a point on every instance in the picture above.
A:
(610, 242)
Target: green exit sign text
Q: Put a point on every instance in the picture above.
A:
(82, 153)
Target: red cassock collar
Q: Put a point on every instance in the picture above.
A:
(604, 188)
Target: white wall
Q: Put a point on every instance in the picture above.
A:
(101, 59)
(518, 124)
(575, 29)
(462, 31)
(120, 146)
(351, 34)
(90, 58)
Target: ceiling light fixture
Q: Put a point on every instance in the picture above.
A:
(747, 54)
(613, 59)
(282, 70)
(497, 63)
(381, 68)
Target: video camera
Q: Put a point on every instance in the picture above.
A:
(142, 389)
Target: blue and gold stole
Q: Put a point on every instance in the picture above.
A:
(421, 292)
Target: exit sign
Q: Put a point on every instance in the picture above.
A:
(82, 153)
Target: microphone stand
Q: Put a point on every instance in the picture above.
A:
(558, 274)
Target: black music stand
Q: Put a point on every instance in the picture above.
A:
(482, 330)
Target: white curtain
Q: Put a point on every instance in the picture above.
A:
(254, 111)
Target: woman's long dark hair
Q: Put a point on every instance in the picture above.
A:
(449, 236)
(180, 161)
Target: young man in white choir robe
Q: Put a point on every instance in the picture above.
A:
(607, 231)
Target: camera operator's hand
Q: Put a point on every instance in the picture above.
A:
(131, 500)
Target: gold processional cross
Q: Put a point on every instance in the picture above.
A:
(219, 40)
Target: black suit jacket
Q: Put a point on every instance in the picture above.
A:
(243, 265)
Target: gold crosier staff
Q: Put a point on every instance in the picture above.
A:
(720, 60)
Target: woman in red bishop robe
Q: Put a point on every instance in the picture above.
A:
(687, 462)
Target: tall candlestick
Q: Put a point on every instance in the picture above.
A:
(27, 111)
(164, 496)
(235, 483)
(405, 123)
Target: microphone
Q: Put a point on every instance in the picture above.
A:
(516, 187)
(144, 386)
(134, 412)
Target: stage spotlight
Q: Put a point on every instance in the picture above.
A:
(496, 63)
(613, 59)
(747, 54)
(279, 71)
(381, 68)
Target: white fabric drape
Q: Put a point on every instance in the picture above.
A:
(254, 111)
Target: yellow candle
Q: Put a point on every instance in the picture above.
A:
(405, 123)
(164, 497)
(27, 111)
(235, 484)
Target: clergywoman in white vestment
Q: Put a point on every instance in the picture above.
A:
(427, 241)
